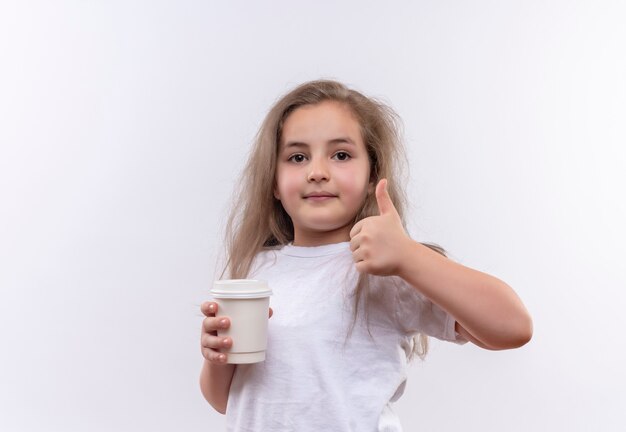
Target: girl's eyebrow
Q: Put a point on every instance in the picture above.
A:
(335, 141)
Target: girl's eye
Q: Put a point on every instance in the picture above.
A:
(342, 156)
(299, 158)
(296, 158)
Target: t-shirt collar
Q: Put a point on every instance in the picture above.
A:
(315, 251)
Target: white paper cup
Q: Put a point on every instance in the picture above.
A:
(246, 303)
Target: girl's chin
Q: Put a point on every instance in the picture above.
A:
(324, 227)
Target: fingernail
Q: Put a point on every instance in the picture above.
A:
(225, 342)
(223, 323)
(211, 307)
(222, 357)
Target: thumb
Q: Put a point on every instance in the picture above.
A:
(385, 205)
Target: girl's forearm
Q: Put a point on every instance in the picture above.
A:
(215, 384)
(483, 305)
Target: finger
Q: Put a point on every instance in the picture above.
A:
(355, 243)
(212, 324)
(214, 356)
(356, 228)
(361, 267)
(271, 312)
(215, 342)
(358, 255)
(383, 200)
(208, 308)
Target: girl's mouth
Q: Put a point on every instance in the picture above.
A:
(319, 198)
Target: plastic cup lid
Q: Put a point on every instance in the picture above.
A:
(240, 288)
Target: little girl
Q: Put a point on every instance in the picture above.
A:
(320, 217)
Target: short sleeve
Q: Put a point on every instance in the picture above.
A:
(415, 313)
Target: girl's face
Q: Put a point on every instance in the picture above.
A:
(322, 173)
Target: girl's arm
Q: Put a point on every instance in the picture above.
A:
(487, 310)
(215, 384)
(216, 375)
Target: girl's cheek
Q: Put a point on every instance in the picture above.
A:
(290, 188)
(350, 183)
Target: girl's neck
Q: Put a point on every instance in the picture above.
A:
(314, 244)
(320, 240)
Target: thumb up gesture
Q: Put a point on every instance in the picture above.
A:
(378, 243)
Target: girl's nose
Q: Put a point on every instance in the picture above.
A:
(318, 171)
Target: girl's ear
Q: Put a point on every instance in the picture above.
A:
(276, 194)
(371, 188)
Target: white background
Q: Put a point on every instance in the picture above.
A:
(124, 124)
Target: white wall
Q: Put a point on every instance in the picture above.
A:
(123, 126)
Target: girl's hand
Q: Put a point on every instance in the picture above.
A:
(377, 242)
(210, 343)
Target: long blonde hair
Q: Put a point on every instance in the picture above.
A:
(258, 220)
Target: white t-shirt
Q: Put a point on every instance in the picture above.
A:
(310, 380)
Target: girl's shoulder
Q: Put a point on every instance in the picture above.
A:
(268, 251)
(393, 283)
(264, 258)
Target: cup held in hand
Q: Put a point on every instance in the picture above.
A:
(246, 302)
